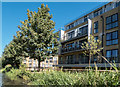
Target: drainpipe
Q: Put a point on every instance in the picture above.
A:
(102, 32)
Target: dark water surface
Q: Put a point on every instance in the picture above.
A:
(0, 79)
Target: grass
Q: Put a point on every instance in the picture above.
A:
(93, 78)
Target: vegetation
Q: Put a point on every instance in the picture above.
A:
(35, 39)
(12, 54)
(93, 78)
(91, 47)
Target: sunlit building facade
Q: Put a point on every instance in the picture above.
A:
(32, 64)
(105, 22)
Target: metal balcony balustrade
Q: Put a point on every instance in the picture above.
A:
(71, 49)
(76, 62)
(82, 19)
(79, 35)
(113, 59)
(72, 61)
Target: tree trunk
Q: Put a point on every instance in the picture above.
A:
(89, 60)
(39, 60)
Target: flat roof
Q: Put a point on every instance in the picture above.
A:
(88, 12)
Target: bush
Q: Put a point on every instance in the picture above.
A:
(93, 78)
(21, 73)
(82, 78)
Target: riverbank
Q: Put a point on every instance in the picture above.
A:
(0, 79)
(51, 77)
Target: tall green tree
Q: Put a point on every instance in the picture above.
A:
(38, 33)
(11, 55)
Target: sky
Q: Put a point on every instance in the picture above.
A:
(63, 13)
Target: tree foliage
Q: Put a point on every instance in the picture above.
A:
(92, 46)
(12, 55)
(36, 38)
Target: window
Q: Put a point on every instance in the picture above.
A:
(51, 58)
(73, 45)
(71, 34)
(72, 25)
(85, 30)
(95, 13)
(112, 21)
(114, 17)
(112, 38)
(82, 31)
(100, 11)
(60, 60)
(112, 55)
(46, 61)
(108, 53)
(51, 61)
(96, 27)
(76, 45)
(85, 19)
(96, 37)
(69, 59)
(82, 59)
(70, 46)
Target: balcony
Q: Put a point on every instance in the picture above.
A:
(92, 13)
(87, 65)
(72, 49)
(74, 37)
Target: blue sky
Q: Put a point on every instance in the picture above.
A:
(63, 13)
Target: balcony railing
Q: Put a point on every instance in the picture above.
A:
(105, 8)
(113, 59)
(85, 61)
(66, 50)
(78, 35)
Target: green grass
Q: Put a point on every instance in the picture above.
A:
(51, 77)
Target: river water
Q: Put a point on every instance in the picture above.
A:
(0, 79)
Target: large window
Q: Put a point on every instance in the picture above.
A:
(112, 38)
(70, 46)
(112, 21)
(96, 27)
(71, 34)
(82, 31)
(69, 59)
(112, 55)
(82, 59)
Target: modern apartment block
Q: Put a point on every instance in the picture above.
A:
(32, 64)
(105, 27)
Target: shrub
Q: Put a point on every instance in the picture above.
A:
(81, 78)
(93, 78)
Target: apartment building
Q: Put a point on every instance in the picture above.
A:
(32, 64)
(105, 22)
